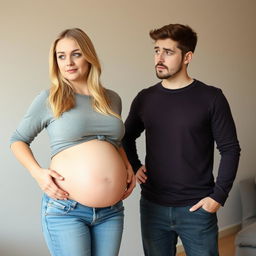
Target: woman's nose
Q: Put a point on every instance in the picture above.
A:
(69, 61)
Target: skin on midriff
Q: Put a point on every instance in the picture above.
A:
(94, 173)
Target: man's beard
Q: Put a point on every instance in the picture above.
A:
(168, 74)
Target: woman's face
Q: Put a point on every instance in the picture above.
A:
(71, 61)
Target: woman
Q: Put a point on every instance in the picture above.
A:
(89, 174)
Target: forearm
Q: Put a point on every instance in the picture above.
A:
(130, 148)
(25, 156)
(226, 176)
(229, 149)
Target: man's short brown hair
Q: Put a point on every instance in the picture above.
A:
(182, 34)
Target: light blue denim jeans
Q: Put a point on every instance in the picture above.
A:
(72, 229)
(161, 226)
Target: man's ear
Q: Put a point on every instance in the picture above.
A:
(188, 57)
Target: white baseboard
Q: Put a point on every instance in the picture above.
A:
(222, 233)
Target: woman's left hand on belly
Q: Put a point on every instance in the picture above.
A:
(131, 182)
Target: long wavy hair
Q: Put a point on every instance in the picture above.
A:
(61, 97)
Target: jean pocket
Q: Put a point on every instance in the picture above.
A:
(201, 209)
(59, 207)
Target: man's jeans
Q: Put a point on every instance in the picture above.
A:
(72, 229)
(161, 225)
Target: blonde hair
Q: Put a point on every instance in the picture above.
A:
(61, 97)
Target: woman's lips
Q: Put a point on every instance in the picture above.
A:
(72, 70)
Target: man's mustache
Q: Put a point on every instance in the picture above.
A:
(161, 65)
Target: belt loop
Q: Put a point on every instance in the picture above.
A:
(94, 214)
(73, 204)
(101, 137)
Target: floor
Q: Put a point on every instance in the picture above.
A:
(226, 246)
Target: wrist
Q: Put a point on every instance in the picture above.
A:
(35, 172)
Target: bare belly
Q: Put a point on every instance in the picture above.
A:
(94, 173)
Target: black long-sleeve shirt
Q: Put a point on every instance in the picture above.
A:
(181, 126)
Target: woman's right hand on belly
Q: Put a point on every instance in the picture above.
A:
(45, 179)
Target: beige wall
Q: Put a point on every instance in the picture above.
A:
(224, 57)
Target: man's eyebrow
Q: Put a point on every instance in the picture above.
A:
(165, 49)
(168, 49)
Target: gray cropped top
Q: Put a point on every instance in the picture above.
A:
(81, 123)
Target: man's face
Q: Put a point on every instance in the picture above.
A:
(168, 58)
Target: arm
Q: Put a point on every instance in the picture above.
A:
(224, 133)
(44, 177)
(131, 181)
(34, 121)
(133, 129)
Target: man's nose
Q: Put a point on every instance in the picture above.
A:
(161, 57)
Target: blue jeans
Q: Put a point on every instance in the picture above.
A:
(161, 226)
(72, 229)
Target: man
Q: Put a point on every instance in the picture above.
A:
(182, 118)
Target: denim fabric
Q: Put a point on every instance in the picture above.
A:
(72, 229)
(161, 226)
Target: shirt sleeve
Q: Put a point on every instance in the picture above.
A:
(115, 101)
(134, 126)
(34, 121)
(116, 106)
(224, 132)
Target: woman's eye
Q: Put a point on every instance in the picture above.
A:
(61, 57)
(77, 54)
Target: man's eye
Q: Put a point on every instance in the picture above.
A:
(168, 53)
(157, 51)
